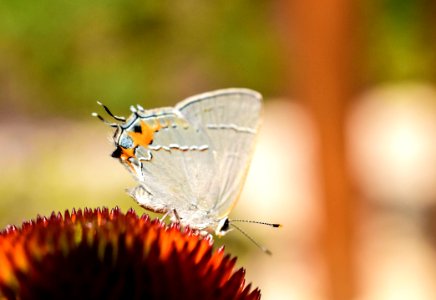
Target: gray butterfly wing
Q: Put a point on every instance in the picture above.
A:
(198, 160)
(229, 119)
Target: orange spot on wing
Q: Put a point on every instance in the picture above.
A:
(126, 154)
(145, 137)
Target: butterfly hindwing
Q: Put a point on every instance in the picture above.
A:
(230, 120)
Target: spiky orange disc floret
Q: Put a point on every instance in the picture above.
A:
(102, 254)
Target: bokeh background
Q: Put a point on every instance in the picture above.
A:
(346, 158)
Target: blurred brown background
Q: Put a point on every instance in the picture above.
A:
(346, 158)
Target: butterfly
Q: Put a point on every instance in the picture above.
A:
(190, 161)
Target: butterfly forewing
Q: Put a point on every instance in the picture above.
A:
(196, 157)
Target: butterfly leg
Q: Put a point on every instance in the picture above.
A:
(176, 216)
(173, 216)
(162, 219)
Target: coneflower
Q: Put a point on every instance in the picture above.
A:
(106, 254)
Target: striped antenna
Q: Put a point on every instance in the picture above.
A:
(262, 248)
(104, 121)
(118, 118)
(275, 225)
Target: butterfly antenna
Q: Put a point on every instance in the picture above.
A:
(263, 248)
(275, 225)
(118, 118)
(104, 121)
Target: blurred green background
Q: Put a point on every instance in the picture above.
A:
(67, 54)
(57, 58)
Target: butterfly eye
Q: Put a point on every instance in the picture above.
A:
(125, 142)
